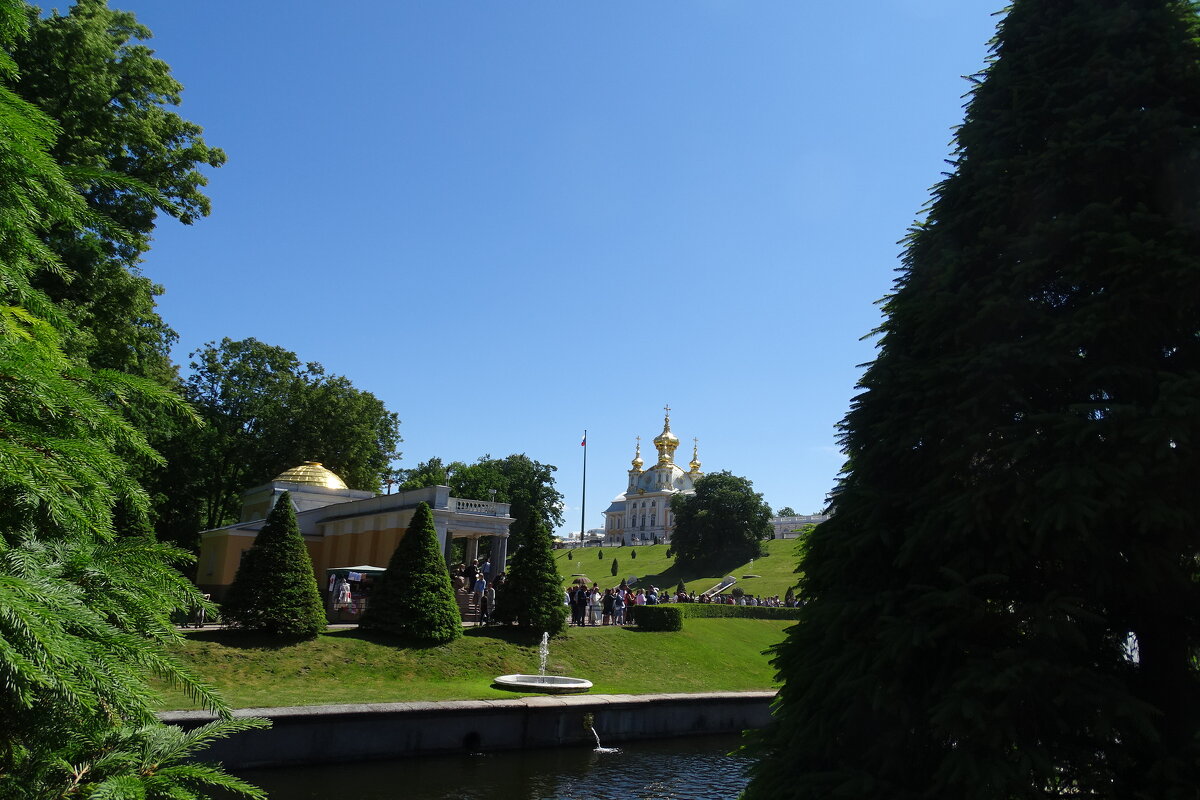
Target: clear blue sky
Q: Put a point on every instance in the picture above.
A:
(516, 220)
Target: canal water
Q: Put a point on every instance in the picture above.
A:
(693, 768)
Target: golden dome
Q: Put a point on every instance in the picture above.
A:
(666, 442)
(637, 456)
(311, 473)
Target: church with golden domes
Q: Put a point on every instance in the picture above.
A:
(642, 513)
(346, 530)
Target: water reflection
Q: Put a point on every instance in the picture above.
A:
(680, 769)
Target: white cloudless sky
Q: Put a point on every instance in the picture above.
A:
(516, 220)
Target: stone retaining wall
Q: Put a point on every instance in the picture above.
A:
(322, 734)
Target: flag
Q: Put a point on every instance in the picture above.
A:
(583, 442)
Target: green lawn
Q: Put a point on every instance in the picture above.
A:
(777, 569)
(346, 666)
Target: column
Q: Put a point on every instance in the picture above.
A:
(472, 549)
(499, 553)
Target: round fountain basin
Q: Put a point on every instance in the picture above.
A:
(550, 684)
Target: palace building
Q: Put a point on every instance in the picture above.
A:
(642, 513)
(347, 530)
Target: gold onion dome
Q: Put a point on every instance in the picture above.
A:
(666, 442)
(311, 473)
(637, 455)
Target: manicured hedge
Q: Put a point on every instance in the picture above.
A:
(659, 618)
(744, 612)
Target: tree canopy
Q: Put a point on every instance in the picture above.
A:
(722, 524)
(526, 485)
(533, 594)
(786, 511)
(84, 614)
(112, 99)
(1003, 603)
(265, 412)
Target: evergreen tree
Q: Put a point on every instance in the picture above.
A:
(615, 568)
(1004, 602)
(415, 598)
(533, 592)
(275, 590)
(84, 613)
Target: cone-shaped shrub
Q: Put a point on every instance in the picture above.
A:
(1005, 600)
(275, 590)
(414, 597)
(615, 568)
(533, 592)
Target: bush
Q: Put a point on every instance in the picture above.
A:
(712, 610)
(615, 568)
(275, 590)
(633, 552)
(600, 553)
(414, 597)
(660, 618)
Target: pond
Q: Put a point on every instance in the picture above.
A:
(694, 768)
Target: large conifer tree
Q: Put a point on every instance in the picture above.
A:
(1004, 602)
(414, 597)
(533, 593)
(275, 590)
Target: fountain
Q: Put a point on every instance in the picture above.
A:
(550, 684)
(589, 722)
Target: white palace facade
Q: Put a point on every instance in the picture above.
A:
(642, 513)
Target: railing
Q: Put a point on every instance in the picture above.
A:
(722, 586)
(476, 507)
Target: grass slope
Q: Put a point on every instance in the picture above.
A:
(777, 569)
(347, 666)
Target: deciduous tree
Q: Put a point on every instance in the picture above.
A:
(1005, 601)
(722, 524)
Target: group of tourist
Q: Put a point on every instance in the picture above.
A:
(476, 579)
(618, 605)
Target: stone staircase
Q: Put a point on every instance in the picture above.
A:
(467, 607)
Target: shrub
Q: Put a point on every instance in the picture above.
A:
(533, 592)
(275, 590)
(600, 553)
(633, 552)
(711, 610)
(660, 618)
(615, 568)
(414, 597)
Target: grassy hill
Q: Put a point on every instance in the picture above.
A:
(652, 567)
(346, 666)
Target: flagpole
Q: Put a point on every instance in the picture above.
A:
(583, 505)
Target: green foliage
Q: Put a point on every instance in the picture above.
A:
(526, 485)
(1019, 504)
(724, 522)
(275, 590)
(533, 592)
(720, 610)
(85, 614)
(615, 568)
(600, 553)
(786, 511)
(633, 552)
(414, 597)
(659, 618)
(111, 98)
(266, 412)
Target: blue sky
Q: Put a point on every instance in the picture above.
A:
(516, 220)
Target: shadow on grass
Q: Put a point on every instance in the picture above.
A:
(506, 633)
(382, 638)
(247, 640)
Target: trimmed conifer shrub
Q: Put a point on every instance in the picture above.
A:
(615, 568)
(533, 594)
(1003, 603)
(660, 618)
(633, 552)
(414, 597)
(275, 590)
(600, 553)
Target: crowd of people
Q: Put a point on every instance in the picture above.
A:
(591, 605)
(476, 578)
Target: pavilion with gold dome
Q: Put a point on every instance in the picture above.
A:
(642, 513)
(345, 528)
